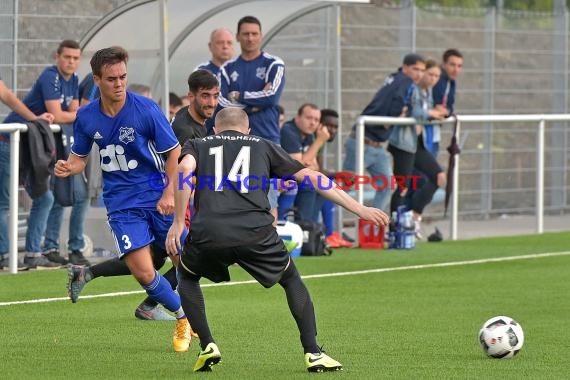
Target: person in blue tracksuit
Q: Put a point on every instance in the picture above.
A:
(221, 46)
(254, 82)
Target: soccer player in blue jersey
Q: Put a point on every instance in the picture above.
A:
(136, 144)
(254, 82)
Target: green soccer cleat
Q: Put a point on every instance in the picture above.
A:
(207, 358)
(321, 363)
(289, 245)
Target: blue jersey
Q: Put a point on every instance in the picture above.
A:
(211, 67)
(131, 148)
(49, 86)
(88, 90)
(390, 100)
(260, 83)
(292, 141)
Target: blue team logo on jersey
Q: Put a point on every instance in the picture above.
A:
(260, 73)
(126, 135)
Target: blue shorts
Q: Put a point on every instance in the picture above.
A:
(135, 228)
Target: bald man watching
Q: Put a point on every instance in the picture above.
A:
(221, 46)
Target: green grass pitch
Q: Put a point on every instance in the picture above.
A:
(408, 319)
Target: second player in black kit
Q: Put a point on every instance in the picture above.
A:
(232, 224)
(190, 121)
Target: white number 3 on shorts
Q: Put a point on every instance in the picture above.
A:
(127, 242)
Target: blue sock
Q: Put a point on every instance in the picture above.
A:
(160, 290)
(328, 216)
(286, 201)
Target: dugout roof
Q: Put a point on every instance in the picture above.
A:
(137, 26)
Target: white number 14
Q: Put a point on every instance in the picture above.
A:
(240, 167)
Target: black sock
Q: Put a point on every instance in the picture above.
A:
(301, 307)
(193, 304)
(110, 268)
(170, 276)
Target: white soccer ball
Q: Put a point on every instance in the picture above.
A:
(501, 337)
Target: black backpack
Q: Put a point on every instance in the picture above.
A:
(314, 242)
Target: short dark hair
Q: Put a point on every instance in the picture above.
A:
(107, 56)
(202, 79)
(326, 112)
(174, 100)
(70, 44)
(280, 109)
(248, 20)
(451, 53)
(412, 59)
(306, 105)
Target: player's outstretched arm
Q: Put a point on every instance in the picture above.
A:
(72, 166)
(165, 204)
(182, 191)
(324, 186)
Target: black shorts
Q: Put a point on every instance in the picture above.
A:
(265, 261)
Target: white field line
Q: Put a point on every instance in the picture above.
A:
(336, 274)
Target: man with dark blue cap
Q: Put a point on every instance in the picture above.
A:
(390, 100)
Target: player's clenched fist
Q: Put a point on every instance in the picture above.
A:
(62, 169)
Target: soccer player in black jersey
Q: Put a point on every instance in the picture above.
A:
(190, 121)
(233, 224)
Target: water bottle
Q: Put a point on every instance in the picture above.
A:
(409, 231)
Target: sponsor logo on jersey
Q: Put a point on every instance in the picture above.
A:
(97, 136)
(234, 76)
(113, 159)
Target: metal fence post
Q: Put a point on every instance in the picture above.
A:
(359, 137)
(359, 133)
(338, 103)
(540, 178)
(13, 218)
(455, 193)
(558, 131)
(491, 19)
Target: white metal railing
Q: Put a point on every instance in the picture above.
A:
(15, 129)
(541, 119)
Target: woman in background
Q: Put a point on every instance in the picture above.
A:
(408, 150)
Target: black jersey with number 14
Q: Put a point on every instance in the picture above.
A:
(234, 172)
